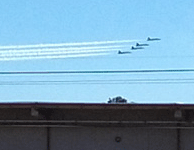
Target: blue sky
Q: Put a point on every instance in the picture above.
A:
(62, 21)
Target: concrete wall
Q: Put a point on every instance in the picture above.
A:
(93, 138)
(104, 139)
(19, 138)
(187, 139)
(96, 126)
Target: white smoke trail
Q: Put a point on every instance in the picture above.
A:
(60, 49)
(27, 54)
(68, 44)
(51, 57)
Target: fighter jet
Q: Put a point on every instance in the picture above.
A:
(126, 52)
(135, 48)
(137, 44)
(153, 39)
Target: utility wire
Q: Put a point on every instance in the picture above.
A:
(99, 71)
(125, 81)
(113, 80)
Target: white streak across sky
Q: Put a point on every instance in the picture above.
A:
(64, 50)
(60, 49)
(68, 44)
(51, 56)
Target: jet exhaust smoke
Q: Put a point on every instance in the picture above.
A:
(60, 49)
(67, 44)
(56, 52)
(30, 57)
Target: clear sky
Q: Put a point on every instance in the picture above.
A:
(27, 22)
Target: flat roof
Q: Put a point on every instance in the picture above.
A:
(98, 105)
(97, 114)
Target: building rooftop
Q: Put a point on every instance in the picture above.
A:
(90, 114)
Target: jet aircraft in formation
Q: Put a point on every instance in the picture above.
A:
(138, 46)
(125, 52)
(153, 39)
(135, 48)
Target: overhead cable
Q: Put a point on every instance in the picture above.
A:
(98, 71)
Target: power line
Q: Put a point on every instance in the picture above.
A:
(113, 80)
(124, 81)
(98, 71)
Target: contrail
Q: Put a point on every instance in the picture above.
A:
(41, 53)
(51, 56)
(68, 44)
(60, 49)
